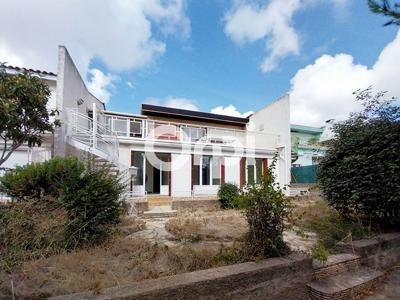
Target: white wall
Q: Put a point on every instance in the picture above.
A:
(70, 88)
(275, 118)
(232, 170)
(181, 175)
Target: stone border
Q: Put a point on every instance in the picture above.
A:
(381, 252)
(199, 203)
(275, 278)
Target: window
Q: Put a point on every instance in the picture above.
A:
(250, 170)
(135, 128)
(254, 170)
(165, 131)
(259, 170)
(216, 170)
(120, 127)
(138, 158)
(196, 170)
(193, 133)
(205, 170)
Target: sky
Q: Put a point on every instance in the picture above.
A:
(223, 56)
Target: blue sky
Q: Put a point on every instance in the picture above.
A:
(203, 54)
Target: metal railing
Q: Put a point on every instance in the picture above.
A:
(94, 135)
(189, 133)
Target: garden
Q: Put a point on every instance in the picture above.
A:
(67, 228)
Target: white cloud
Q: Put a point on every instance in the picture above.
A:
(230, 110)
(323, 90)
(249, 21)
(100, 84)
(130, 84)
(118, 32)
(176, 102)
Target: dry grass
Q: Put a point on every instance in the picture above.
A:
(313, 214)
(221, 226)
(119, 262)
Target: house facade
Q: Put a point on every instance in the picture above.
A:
(174, 152)
(306, 145)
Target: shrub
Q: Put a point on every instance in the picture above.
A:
(266, 209)
(89, 194)
(40, 179)
(228, 194)
(319, 252)
(330, 226)
(360, 173)
(92, 202)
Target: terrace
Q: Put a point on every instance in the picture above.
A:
(132, 127)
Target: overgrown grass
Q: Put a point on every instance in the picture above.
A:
(120, 261)
(30, 230)
(221, 226)
(317, 216)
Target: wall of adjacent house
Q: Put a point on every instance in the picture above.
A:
(275, 118)
(71, 93)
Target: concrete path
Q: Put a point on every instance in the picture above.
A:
(155, 231)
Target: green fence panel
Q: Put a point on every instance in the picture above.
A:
(304, 174)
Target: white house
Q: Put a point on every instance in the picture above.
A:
(177, 153)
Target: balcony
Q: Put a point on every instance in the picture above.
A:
(136, 128)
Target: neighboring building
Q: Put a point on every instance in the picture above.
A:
(306, 145)
(24, 155)
(176, 152)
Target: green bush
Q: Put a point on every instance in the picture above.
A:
(266, 209)
(228, 194)
(92, 202)
(88, 193)
(359, 175)
(40, 179)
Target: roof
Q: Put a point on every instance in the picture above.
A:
(123, 114)
(20, 69)
(306, 129)
(163, 111)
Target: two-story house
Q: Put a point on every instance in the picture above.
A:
(175, 152)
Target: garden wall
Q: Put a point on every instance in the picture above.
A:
(381, 252)
(195, 203)
(275, 278)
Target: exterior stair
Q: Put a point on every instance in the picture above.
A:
(155, 200)
(342, 277)
(158, 212)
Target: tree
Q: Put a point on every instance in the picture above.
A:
(384, 7)
(24, 117)
(359, 175)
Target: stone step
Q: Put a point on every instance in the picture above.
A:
(159, 212)
(350, 285)
(336, 264)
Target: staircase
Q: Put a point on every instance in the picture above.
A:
(159, 207)
(159, 212)
(342, 277)
(89, 135)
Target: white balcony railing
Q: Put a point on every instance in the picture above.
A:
(181, 132)
(94, 135)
